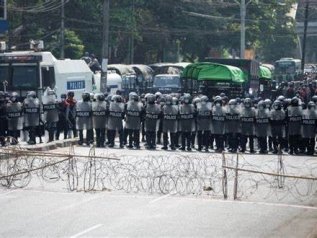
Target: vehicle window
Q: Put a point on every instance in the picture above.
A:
(48, 77)
(24, 77)
(167, 81)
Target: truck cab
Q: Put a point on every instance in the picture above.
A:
(24, 71)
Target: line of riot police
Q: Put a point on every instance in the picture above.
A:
(219, 124)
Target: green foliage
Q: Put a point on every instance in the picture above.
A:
(157, 30)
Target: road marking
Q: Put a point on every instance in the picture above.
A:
(86, 231)
(160, 198)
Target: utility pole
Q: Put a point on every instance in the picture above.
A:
(132, 36)
(305, 36)
(62, 56)
(242, 28)
(105, 45)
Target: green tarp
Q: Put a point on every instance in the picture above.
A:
(265, 73)
(214, 72)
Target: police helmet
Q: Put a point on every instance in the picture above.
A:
(261, 105)
(31, 94)
(196, 100)
(222, 95)
(187, 98)
(311, 105)
(232, 102)
(116, 98)
(175, 100)
(314, 99)
(281, 98)
(277, 105)
(267, 103)
(100, 97)
(169, 99)
(150, 98)
(294, 102)
(14, 97)
(50, 92)
(204, 98)
(85, 96)
(247, 102)
(158, 95)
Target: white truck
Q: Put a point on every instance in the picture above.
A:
(24, 71)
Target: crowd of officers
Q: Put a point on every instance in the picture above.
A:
(175, 122)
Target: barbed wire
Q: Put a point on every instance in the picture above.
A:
(216, 175)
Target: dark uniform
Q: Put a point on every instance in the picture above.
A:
(3, 119)
(15, 117)
(232, 125)
(50, 109)
(294, 118)
(309, 119)
(204, 115)
(247, 119)
(170, 114)
(187, 122)
(218, 124)
(84, 119)
(277, 123)
(32, 115)
(115, 117)
(152, 115)
(262, 126)
(133, 114)
(99, 118)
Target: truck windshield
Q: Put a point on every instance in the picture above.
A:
(167, 81)
(24, 77)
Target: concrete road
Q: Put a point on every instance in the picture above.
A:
(38, 213)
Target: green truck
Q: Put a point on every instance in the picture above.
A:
(212, 79)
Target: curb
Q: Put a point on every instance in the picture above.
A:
(51, 146)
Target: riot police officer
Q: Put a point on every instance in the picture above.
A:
(247, 119)
(152, 115)
(187, 122)
(204, 115)
(99, 117)
(31, 115)
(15, 117)
(232, 123)
(309, 128)
(133, 112)
(262, 126)
(115, 117)
(218, 123)
(277, 123)
(50, 109)
(3, 120)
(170, 113)
(294, 118)
(63, 115)
(84, 119)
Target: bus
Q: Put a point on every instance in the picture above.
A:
(287, 69)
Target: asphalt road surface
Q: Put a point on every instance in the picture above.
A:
(36, 213)
(51, 211)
